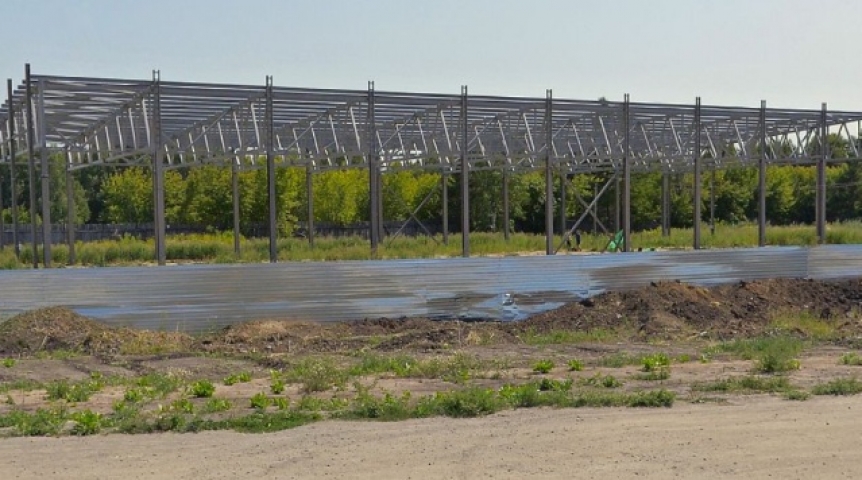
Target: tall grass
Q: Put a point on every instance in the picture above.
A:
(218, 248)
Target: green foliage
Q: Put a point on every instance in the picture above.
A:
(575, 365)
(215, 405)
(599, 380)
(560, 337)
(276, 386)
(234, 378)
(42, 422)
(851, 358)
(260, 401)
(87, 422)
(72, 392)
(159, 384)
(543, 366)
(797, 395)
(202, 389)
(655, 362)
(746, 384)
(9, 362)
(771, 354)
(839, 386)
(316, 375)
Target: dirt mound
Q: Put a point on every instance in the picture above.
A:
(59, 328)
(674, 310)
(52, 328)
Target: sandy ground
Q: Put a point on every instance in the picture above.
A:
(753, 437)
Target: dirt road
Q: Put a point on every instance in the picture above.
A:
(754, 437)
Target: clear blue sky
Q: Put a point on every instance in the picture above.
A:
(793, 53)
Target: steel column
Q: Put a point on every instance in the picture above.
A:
(761, 180)
(506, 213)
(563, 202)
(697, 179)
(465, 178)
(45, 174)
(13, 187)
(444, 182)
(665, 204)
(235, 200)
(627, 177)
(549, 174)
(617, 206)
(70, 210)
(373, 171)
(158, 172)
(272, 194)
(712, 200)
(820, 208)
(31, 164)
(309, 193)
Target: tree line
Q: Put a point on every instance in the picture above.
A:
(203, 196)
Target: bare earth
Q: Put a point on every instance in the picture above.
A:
(753, 437)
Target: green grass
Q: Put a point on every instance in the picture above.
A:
(839, 386)
(218, 248)
(851, 358)
(599, 380)
(543, 366)
(242, 377)
(771, 354)
(746, 384)
(575, 365)
(202, 389)
(564, 337)
(8, 362)
(806, 324)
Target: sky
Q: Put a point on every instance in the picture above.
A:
(792, 53)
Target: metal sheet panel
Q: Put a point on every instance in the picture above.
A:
(198, 298)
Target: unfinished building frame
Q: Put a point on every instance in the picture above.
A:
(163, 125)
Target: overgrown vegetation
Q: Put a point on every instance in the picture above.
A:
(838, 386)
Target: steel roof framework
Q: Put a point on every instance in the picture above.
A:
(102, 121)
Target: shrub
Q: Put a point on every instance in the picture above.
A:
(242, 377)
(575, 365)
(317, 375)
(851, 358)
(543, 366)
(214, 405)
(202, 389)
(87, 422)
(8, 362)
(260, 401)
(599, 380)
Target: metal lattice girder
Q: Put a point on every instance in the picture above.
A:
(107, 121)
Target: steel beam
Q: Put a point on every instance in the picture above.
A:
(506, 212)
(13, 187)
(820, 209)
(235, 200)
(309, 195)
(697, 174)
(31, 164)
(665, 204)
(45, 177)
(158, 172)
(70, 210)
(373, 171)
(465, 177)
(444, 184)
(272, 193)
(761, 180)
(549, 173)
(627, 176)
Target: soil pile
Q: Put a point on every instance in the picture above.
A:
(58, 328)
(670, 311)
(674, 310)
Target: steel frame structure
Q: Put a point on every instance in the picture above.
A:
(164, 125)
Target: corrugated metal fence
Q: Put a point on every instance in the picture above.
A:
(199, 298)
